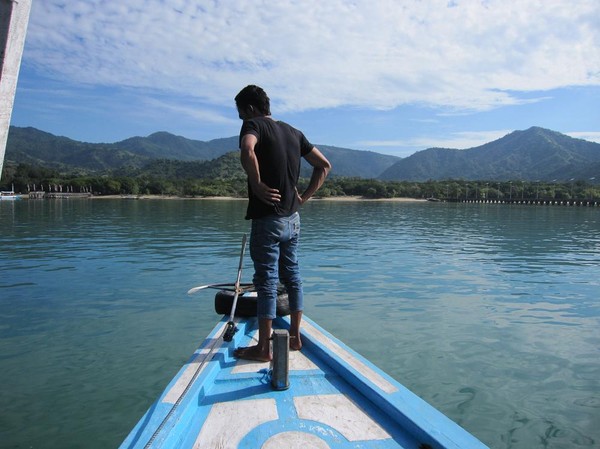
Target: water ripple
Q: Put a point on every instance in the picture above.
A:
(489, 312)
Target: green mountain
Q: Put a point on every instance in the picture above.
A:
(530, 155)
(356, 163)
(163, 145)
(224, 167)
(39, 148)
(533, 154)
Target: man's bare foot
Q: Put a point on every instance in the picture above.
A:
(295, 340)
(252, 353)
(295, 343)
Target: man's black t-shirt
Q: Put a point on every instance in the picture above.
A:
(279, 151)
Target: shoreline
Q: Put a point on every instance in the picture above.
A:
(231, 198)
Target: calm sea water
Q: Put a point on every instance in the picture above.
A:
(491, 313)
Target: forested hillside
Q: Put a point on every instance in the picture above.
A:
(533, 154)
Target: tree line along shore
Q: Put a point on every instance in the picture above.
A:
(26, 179)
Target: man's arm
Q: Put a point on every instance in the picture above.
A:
(321, 168)
(250, 165)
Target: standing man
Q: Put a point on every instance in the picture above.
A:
(271, 155)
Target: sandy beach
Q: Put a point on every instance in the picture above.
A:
(230, 198)
(362, 198)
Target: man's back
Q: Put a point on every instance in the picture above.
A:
(279, 150)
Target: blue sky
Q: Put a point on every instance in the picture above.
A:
(393, 77)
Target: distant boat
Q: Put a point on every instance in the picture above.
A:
(9, 195)
(325, 396)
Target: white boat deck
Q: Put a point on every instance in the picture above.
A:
(9, 196)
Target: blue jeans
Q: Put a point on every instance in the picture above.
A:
(274, 251)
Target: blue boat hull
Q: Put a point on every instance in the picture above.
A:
(336, 399)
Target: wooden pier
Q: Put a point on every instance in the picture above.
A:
(41, 195)
(530, 202)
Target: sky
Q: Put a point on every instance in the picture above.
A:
(394, 77)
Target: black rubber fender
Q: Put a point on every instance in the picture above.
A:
(246, 303)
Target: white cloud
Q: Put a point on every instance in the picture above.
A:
(470, 55)
(197, 112)
(459, 140)
(591, 136)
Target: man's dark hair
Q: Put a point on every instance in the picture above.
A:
(253, 96)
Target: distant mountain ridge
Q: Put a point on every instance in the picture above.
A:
(163, 145)
(533, 154)
(35, 147)
(529, 155)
